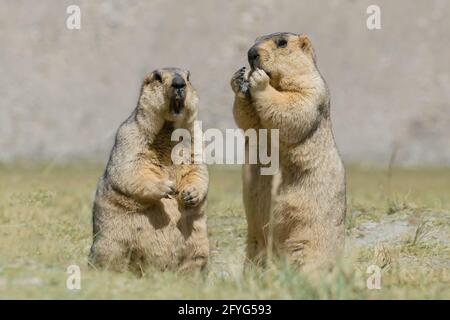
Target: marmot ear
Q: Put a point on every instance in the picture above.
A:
(155, 75)
(306, 46)
(147, 80)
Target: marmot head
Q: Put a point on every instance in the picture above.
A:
(283, 55)
(169, 91)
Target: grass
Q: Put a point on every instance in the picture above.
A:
(45, 226)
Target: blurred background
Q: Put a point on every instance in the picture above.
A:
(63, 93)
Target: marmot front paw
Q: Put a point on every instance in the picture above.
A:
(160, 189)
(259, 80)
(190, 196)
(239, 83)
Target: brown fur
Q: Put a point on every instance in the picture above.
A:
(287, 92)
(148, 211)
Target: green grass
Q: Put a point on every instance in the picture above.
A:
(45, 226)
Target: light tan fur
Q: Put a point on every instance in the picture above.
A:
(147, 210)
(287, 92)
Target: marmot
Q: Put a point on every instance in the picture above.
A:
(284, 90)
(147, 210)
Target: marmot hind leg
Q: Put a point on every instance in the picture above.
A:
(109, 254)
(257, 194)
(194, 229)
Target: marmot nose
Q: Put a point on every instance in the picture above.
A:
(178, 82)
(252, 54)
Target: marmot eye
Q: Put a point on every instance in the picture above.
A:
(157, 77)
(188, 77)
(281, 43)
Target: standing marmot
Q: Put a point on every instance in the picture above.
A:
(148, 211)
(285, 91)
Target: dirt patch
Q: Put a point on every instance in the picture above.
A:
(413, 238)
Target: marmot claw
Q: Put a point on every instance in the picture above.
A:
(241, 82)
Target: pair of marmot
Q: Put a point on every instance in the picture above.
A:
(149, 211)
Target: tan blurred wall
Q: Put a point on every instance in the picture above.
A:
(64, 92)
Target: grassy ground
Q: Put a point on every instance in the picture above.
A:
(402, 224)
